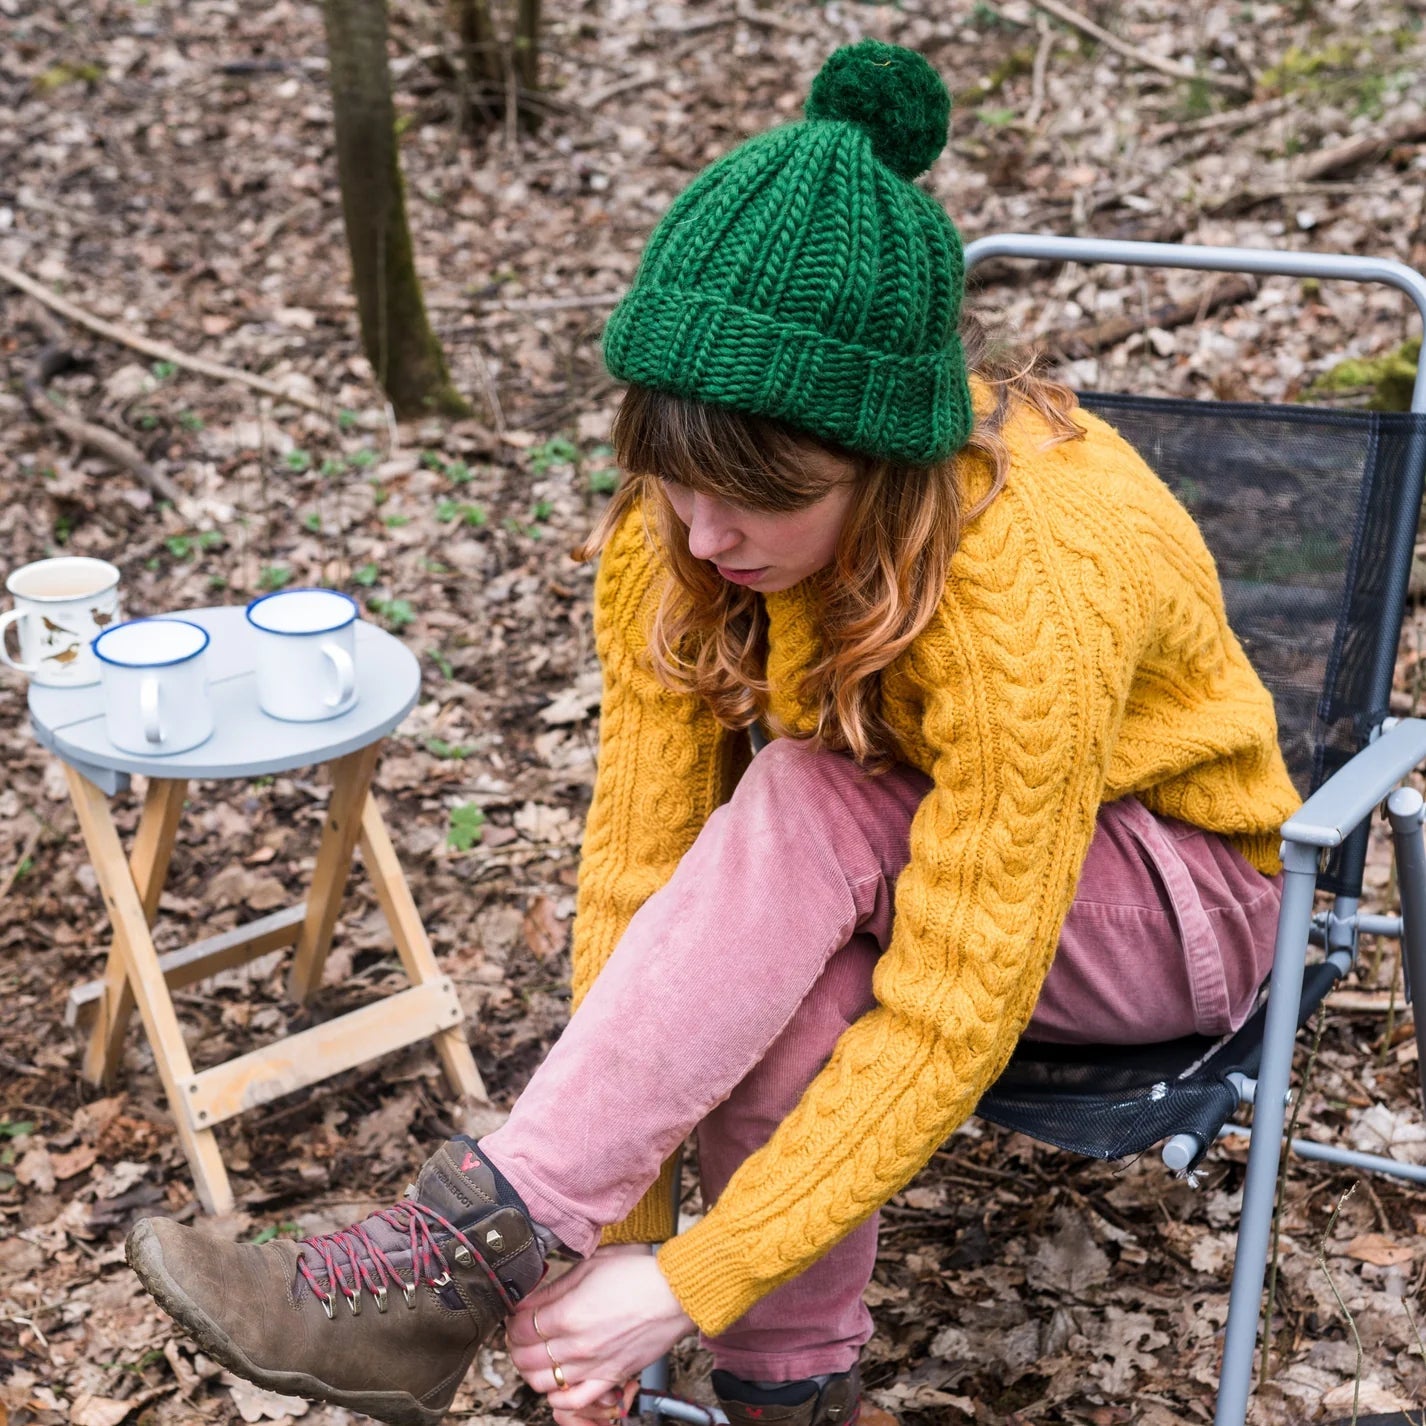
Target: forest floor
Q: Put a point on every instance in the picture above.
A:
(169, 167)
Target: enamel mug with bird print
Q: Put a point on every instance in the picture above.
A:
(61, 606)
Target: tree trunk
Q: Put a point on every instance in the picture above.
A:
(527, 43)
(403, 350)
(482, 67)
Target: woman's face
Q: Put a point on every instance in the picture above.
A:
(767, 550)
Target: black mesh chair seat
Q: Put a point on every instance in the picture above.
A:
(1114, 1101)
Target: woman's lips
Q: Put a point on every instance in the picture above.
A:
(742, 576)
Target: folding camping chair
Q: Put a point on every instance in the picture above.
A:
(1311, 516)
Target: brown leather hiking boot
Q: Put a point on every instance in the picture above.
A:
(798, 1403)
(382, 1317)
(837, 1402)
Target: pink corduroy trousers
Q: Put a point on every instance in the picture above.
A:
(732, 984)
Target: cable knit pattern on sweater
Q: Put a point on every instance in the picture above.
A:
(1080, 653)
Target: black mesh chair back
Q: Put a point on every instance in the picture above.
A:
(1309, 515)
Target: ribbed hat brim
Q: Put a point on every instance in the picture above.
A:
(913, 408)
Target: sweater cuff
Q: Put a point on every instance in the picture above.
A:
(706, 1276)
(651, 1220)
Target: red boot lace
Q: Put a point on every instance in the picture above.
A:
(372, 1269)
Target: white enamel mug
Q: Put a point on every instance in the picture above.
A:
(155, 685)
(306, 653)
(61, 604)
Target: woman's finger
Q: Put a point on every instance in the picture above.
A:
(580, 1395)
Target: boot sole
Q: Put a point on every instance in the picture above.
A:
(143, 1253)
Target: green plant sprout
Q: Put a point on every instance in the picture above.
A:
(366, 575)
(455, 752)
(467, 827)
(274, 576)
(274, 1230)
(448, 510)
(398, 613)
(558, 450)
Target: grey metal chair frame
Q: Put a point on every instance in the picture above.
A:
(1374, 776)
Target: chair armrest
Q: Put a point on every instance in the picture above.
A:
(1330, 814)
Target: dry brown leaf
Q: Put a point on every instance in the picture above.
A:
(1378, 1249)
(541, 929)
(75, 1162)
(98, 1411)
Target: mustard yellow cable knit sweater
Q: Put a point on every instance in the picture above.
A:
(1080, 654)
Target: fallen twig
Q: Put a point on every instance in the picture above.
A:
(1037, 73)
(1086, 341)
(1270, 1300)
(55, 357)
(160, 351)
(26, 852)
(1164, 66)
(1240, 118)
(1351, 1321)
(1360, 149)
(550, 304)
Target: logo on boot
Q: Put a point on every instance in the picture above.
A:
(469, 1162)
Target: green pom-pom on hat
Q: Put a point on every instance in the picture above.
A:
(892, 93)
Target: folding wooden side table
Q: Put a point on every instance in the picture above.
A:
(247, 743)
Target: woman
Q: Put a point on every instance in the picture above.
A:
(1021, 775)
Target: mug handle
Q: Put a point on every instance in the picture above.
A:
(148, 706)
(13, 616)
(346, 675)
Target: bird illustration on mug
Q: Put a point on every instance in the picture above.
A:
(51, 628)
(64, 655)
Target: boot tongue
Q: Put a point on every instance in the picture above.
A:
(458, 1183)
(455, 1182)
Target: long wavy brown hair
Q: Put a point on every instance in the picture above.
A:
(709, 636)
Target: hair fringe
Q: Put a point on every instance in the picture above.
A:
(709, 637)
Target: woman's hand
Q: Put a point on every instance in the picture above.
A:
(603, 1322)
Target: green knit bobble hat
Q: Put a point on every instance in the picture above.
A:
(805, 277)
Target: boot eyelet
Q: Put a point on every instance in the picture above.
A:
(463, 1255)
(409, 1293)
(329, 1303)
(441, 1281)
(354, 1302)
(380, 1299)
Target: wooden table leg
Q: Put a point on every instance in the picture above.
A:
(148, 864)
(351, 780)
(135, 950)
(413, 945)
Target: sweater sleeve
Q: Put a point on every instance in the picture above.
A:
(1024, 676)
(664, 764)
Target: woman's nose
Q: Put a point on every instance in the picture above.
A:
(710, 533)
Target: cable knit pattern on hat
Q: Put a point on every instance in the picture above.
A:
(1081, 653)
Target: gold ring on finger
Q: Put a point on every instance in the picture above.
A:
(555, 1367)
(535, 1323)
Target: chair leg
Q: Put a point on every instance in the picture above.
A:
(1269, 1112)
(1406, 812)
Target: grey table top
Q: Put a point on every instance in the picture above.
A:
(245, 742)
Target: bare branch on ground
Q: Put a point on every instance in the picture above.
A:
(160, 351)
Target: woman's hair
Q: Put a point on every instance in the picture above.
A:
(709, 636)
